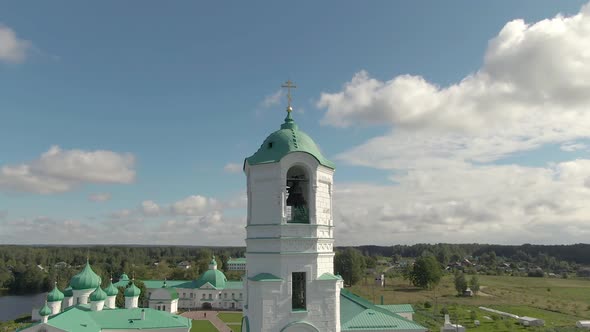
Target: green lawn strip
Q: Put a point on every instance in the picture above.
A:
(203, 326)
(236, 328)
(230, 317)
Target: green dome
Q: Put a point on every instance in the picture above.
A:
(284, 141)
(215, 277)
(86, 279)
(111, 290)
(45, 311)
(132, 291)
(124, 277)
(213, 261)
(68, 292)
(55, 295)
(98, 295)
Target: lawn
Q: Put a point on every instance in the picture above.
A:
(203, 326)
(560, 302)
(230, 317)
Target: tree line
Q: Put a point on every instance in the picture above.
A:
(33, 269)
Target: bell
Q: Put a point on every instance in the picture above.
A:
(295, 196)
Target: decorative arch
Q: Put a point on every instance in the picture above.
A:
(300, 326)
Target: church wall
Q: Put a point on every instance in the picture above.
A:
(264, 191)
(44, 327)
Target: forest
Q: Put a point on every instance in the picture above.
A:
(32, 269)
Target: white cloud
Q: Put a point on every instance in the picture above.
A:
(272, 99)
(195, 205)
(486, 204)
(99, 197)
(60, 170)
(573, 146)
(149, 208)
(12, 49)
(232, 168)
(531, 91)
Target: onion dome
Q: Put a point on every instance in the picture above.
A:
(215, 277)
(132, 291)
(86, 279)
(98, 295)
(68, 292)
(286, 140)
(45, 311)
(55, 294)
(124, 277)
(111, 290)
(213, 261)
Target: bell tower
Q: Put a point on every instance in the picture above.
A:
(290, 283)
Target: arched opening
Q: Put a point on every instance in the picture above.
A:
(297, 198)
(299, 327)
(207, 306)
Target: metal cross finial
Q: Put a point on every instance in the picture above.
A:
(289, 85)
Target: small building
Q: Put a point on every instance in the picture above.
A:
(184, 265)
(530, 321)
(468, 292)
(236, 264)
(380, 280)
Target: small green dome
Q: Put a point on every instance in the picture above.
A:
(124, 277)
(86, 279)
(284, 141)
(98, 295)
(111, 290)
(213, 261)
(132, 291)
(45, 311)
(55, 294)
(215, 277)
(68, 292)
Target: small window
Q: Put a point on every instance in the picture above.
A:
(270, 145)
(298, 294)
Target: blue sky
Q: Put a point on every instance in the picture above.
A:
(179, 94)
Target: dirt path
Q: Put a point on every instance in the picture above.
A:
(480, 293)
(210, 316)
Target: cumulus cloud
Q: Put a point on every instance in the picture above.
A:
(99, 197)
(12, 48)
(492, 204)
(149, 208)
(444, 144)
(194, 205)
(60, 170)
(232, 168)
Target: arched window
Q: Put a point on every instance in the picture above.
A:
(297, 198)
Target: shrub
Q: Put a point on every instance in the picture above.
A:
(427, 304)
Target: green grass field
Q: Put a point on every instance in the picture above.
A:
(560, 302)
(230, 317)
(203, 326)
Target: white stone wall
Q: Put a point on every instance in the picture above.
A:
(280, 248)
(81, 296)
(191, 298)
(55, 307)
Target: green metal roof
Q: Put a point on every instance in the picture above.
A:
(98, 295)
(169, 283)
(86, 279)
(237, 260)
(55, 294)
(397, 308)
(265, 277)
(45, 311)
(286, 140)
(111, 290)
(358, 314)
(329, 276)
(132, 291)
(214, 277)
(80, 318)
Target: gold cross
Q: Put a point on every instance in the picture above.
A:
(289, 85)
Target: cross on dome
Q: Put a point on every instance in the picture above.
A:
(289, 85)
